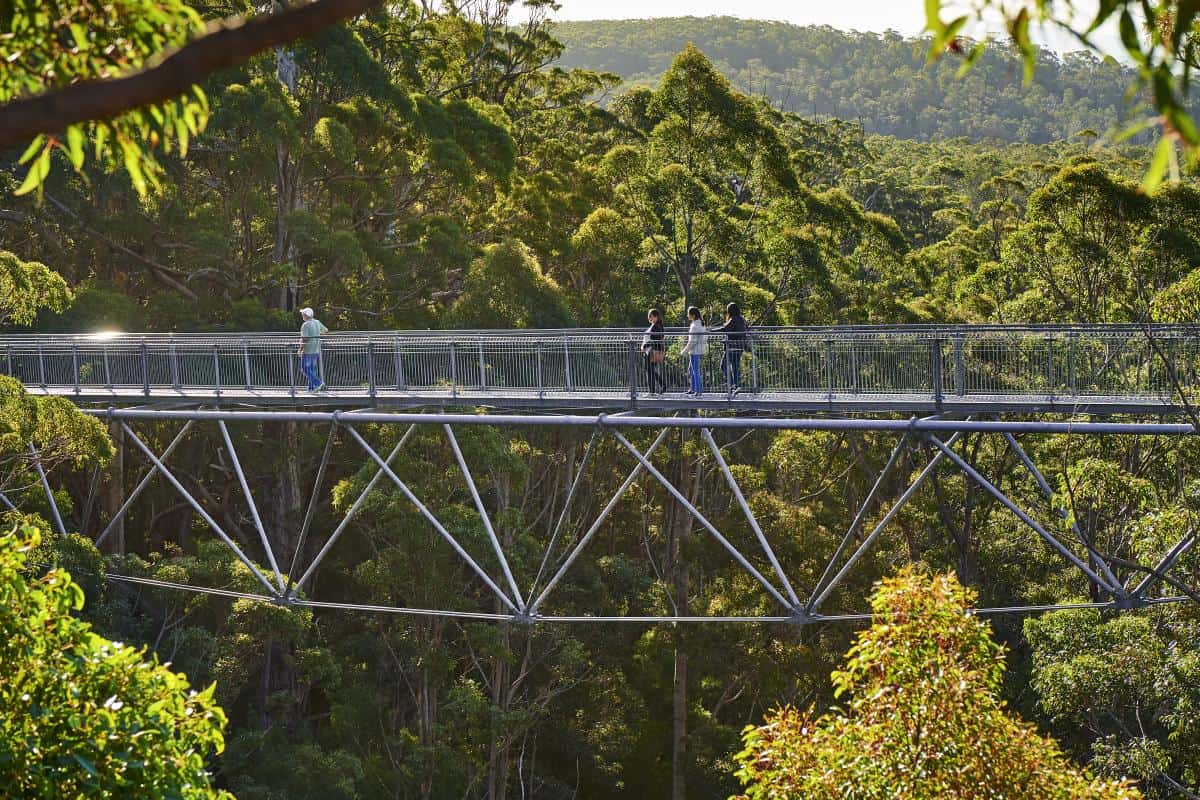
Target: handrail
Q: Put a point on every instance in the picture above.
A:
(942, 364)
(834, 331)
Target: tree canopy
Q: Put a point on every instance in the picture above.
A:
(83, 716)
(923, 717)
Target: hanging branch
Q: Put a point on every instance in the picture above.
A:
(233, 42)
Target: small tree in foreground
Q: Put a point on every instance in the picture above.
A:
(84, 717)
(924, 719)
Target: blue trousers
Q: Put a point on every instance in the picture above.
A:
(694, 374)
(310, 365)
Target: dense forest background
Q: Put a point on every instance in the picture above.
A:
(881, 81)
(446, 167)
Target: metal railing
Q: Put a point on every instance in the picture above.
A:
(939, 363)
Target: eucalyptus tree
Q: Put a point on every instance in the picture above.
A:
(702, 163)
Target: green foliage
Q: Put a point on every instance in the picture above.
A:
(507, 289)
(923, 719)
(27, 287)
(1160, 39)
(45, 47)
(879, 81)
(82, 716)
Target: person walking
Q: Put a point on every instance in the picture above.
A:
(311, 331)
(695, 348)
(654, 351)
(736, 332)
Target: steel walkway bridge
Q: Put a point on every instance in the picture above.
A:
(914, 369)
(928, 387)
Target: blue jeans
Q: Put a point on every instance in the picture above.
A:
(694, 374)
(310, 365)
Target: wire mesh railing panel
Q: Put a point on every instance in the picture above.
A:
(1060, 362)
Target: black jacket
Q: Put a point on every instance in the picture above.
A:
(655, 333)
(737, 332)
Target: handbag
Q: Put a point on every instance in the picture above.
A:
(658, 356)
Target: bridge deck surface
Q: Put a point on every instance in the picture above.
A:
(799, 402)
(1093, 369)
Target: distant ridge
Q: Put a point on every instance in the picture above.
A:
(881, 79)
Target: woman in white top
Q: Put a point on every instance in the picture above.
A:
(697, 343)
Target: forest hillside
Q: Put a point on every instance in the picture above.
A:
(881, 80)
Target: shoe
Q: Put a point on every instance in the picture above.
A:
(320, 388)
(736, 390)
(690, 393)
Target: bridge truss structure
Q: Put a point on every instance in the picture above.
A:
(928, 387)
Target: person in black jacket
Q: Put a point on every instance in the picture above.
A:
(737, 333)
(654, 351)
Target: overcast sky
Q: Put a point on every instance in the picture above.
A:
(904, 16)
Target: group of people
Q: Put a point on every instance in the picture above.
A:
(654, 350)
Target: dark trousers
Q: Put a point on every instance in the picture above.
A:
(732, 367)
(654, 372)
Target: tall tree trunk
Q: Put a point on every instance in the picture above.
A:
(680, 530)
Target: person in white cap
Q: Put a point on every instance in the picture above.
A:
(310, 349)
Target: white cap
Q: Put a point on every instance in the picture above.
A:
(306, 312)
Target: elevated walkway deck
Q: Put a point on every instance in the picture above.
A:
(897, 369)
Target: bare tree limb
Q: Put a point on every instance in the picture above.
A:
(232, 42)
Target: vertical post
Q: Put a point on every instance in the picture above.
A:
(292, 363)
(829, 368)
(482, 365)
(371, 368)
(399, 363)
(41, 365)
(75, 364)
(320, 363)
(8, 359)
(631, 359)
(960, 366)
(935, 353)
(246, 363)
(854, 342)
(174, 365)
(541, 389)
(753, 366)
(217, 368)
(145, 369)
(1071, 363)
(567, 364)
(107, 371)
(453, 370)
(1050, 364)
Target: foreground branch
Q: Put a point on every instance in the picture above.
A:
(229, 45)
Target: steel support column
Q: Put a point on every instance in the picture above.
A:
(595, 526)
(815, 602)
(587, 455)
(712, 529)
(483, 515)
(37, 464)
(337, 532)
(863, 509)
(142, 484)
(988, 486)
(1166, 563)
(212, 523)
(258, 525)
(312, 503)
(741, 499)
(1044, 485)
(428, 515)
